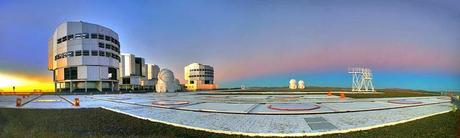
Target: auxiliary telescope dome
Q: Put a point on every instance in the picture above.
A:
(292, 84)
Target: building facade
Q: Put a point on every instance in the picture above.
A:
(152, 75)
(135, 75)
(84, 57)
(132, 72)
(199, 77)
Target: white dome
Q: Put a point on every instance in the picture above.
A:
(292, 84)
(166, 75)
(301, 84)
(166, 81)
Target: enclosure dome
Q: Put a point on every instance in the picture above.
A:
(301, 84)
(166, 81)
(292, 84)
(166, 75)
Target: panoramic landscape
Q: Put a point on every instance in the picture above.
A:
(230, 68)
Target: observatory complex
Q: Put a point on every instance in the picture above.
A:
(199, 77)
(84, 57)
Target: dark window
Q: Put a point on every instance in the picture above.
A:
(192, 82)
(85, 35)
(100, 36)
(112, 73)
(108, 54)
(85, 52)
(78, 53)
(107, 46)
(94, 53)
(126, 80)
(64, 38)
(101, 45)
(59, 40)
(93, 36)
(107, 38)
(207, 82)
(101, 53)
(70, 73)
(70, 37)
(114, 56)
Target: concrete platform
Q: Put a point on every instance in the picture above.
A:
(251, 115)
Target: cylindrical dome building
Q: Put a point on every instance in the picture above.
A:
(199, 77)
(84, 57)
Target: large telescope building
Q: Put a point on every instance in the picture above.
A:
(135, 75)
(84, 57)
(199, 77)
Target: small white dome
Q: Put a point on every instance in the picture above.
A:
(292, 84)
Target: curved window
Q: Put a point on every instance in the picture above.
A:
(101, 45)
(101, 53)
(87, 36)
(85, 52)
(78, 53)
(94, 53)
(93, 36)
(100, 36)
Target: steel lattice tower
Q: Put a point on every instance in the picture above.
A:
(362, 80)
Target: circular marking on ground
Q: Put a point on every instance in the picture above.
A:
(293, 106)
(170, 102)
(47, 100)
(404, 101)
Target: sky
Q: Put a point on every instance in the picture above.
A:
(411, 44)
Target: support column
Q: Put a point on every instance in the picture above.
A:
(70, 87)
(112, 86)
(100, 86)
(86, 86)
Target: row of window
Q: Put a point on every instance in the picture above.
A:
(109, 46)
(201, 70)
(87, 36)
(71, 73)
(87, 53)
(205, 82)
(191, 76)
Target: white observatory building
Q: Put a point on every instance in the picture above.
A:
(84, 57)
(199, 77)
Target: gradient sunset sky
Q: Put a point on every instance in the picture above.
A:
(407, 43)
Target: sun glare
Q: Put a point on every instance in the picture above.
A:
(22, 84)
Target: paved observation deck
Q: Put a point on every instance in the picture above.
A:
(261, 115)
